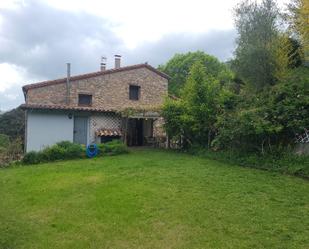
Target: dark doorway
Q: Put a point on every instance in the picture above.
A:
(135, 132)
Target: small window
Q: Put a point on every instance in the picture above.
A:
(84, 99)
(134, 92)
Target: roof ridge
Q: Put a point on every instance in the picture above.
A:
(93, 74)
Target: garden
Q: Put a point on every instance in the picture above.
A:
(233, 176)
(151, 199)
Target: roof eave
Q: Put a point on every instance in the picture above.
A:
(63, 108)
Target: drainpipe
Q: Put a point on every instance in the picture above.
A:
(67, 100)
(26, 131)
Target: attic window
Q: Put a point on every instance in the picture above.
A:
(134, 92)
(84, 99)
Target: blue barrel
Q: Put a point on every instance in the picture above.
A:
(92, 150)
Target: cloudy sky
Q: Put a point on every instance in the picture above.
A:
(38, 37)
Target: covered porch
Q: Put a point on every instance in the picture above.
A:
(142, 129)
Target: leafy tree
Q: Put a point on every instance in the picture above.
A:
(12, 123)
(172, 113)
(247, 127)
(200, 96)
(298, 18)
(295, 54)
(261, 56)
(228, 114)
(289, 104)
(179, 67)
(194, 115)
(282, 52)
(271, 117)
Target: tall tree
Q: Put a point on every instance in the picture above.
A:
(200, 96)
(298, 18)
(261, 55)
(194, 114)
(179, 67)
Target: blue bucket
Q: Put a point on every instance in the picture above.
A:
(92, 150)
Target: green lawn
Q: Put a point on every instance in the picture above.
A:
(151, 199)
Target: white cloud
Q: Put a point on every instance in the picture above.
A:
(12, 78)
(11, 75)
(37, 37)
(10, 4)
(11, 96)
(140, 21)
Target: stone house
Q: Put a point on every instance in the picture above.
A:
(118, 103)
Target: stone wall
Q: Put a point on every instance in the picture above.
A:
(109, 91)
(159, 132)
(158, 129)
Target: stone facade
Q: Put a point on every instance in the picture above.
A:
(109, 91)
(158, 130)
(110, 95)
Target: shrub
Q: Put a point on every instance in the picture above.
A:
(3, 150)
(72, 150)
(4, 140)
(53, 153)
(3, 157)
(67, 150)
(65, 144)
(15, 149)
(60, 151)
(281, 160)
(11, 152)
(32, 157)
(114, 147)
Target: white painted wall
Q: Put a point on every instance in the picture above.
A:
(45, 129)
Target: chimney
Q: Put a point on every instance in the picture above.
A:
(117, 61)
(67, 99)
(103, 63)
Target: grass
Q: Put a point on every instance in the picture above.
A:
(151, 199)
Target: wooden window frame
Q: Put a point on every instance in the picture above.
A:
(136, 87)
(85, 94)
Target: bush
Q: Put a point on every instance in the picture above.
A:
(4, 140)
(12, 151)
(53, 153)
(60, 151)
(114, 147)
(281, 160)
(72, 150)
(67, 150)
(66, 144)
(32, 157)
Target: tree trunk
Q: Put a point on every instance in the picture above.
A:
(262, 149)
(209, 137)
(168, 141)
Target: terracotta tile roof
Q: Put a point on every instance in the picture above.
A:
(109, 132)
(90, 75)
(64, 107)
